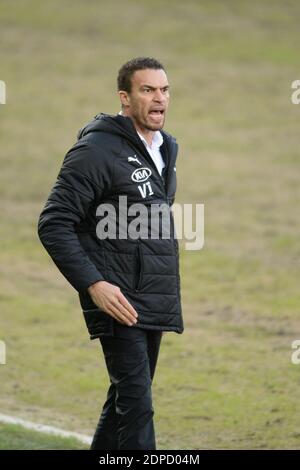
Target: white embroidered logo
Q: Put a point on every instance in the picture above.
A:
(143, 189)
(141, 174)
(134, 159)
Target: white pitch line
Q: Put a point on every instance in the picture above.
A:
(45, 429)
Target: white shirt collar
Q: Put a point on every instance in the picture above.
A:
(157, 139)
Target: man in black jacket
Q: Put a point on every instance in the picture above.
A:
(127, 279)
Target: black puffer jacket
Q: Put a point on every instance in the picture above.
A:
(109, 160)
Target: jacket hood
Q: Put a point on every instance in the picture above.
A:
(119, 125)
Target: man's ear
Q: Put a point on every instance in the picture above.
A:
(124, 98)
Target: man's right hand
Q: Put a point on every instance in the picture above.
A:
(110, 299)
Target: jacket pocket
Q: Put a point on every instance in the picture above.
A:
(139, 267)
(98, 323)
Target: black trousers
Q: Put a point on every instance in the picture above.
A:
(126, 420)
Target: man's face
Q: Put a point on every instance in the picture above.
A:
(148, 100)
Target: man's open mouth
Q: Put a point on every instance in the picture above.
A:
(157, 112)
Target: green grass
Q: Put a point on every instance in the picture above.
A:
(13, 437)
(228, 381)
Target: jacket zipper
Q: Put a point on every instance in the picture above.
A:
(175, 244)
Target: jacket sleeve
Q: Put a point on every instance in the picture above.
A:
(77, 187)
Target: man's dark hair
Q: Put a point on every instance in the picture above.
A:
(128, 69)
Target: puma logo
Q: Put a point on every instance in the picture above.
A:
(134, 159)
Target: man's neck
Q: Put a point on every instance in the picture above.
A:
(146, 133)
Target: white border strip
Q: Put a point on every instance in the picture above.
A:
(45, 429)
